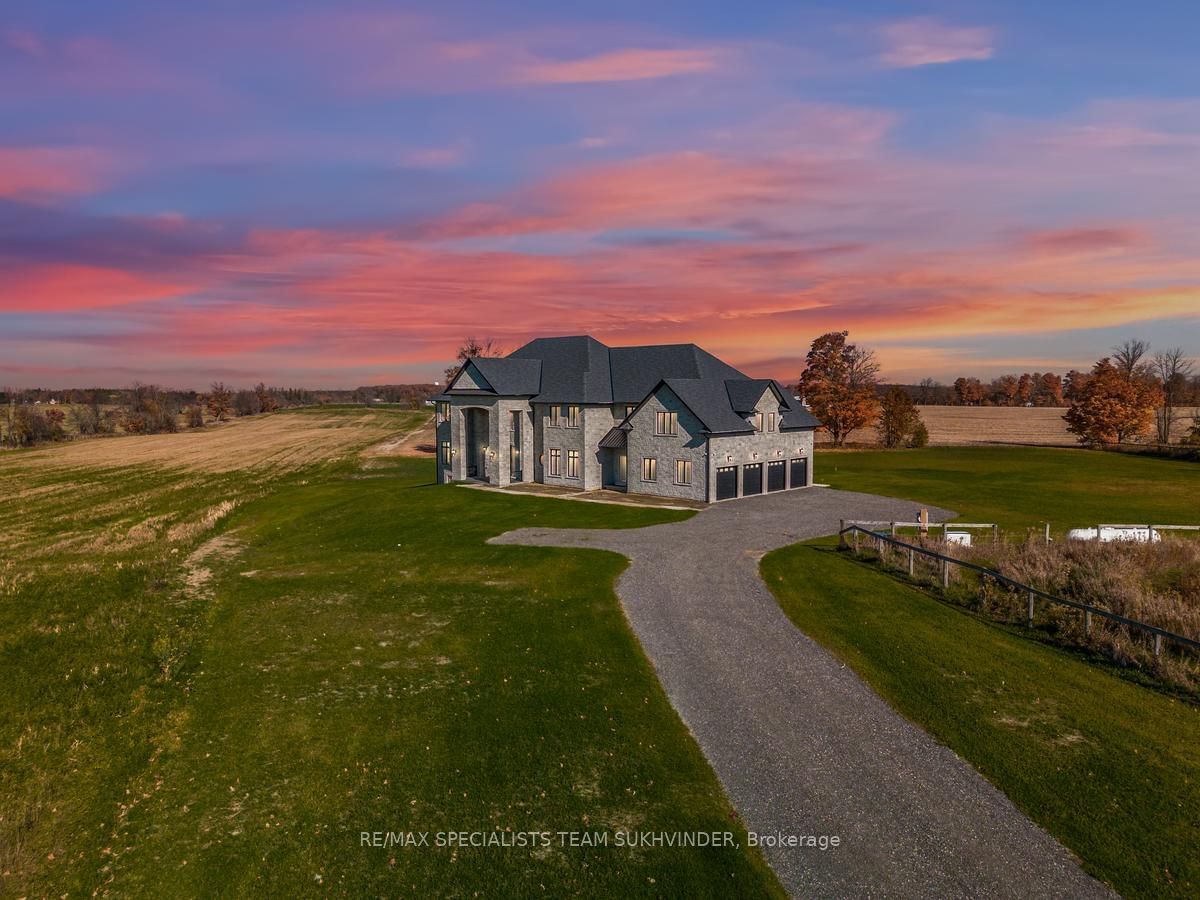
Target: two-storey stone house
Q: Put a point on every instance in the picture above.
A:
(671, 420)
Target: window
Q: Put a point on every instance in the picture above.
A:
(649, 469)
(514, 426)
(683, 471)
(555, 462)
(665, 422)
(770, 421)
(443, 411)
(756, 420)
(572, 416)
(554, 414)
(445, 453)
(572, 463)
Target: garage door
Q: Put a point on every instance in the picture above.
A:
(751, 479)
(776, 475)
(727, 483)
(799, 472)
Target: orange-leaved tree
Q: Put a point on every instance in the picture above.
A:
(1113, 405)
(838, 384)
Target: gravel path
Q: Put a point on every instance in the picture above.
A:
(801, 745)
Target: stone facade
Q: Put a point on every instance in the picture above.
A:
(761, 447)
(689, 443)
(535, 437)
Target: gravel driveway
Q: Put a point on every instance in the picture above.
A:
(801, 745)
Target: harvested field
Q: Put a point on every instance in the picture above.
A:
(951, 426)
(281, 441)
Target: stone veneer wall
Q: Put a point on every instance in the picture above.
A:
(689, 443)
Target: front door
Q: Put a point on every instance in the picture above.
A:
(514, 456)
(622, 472)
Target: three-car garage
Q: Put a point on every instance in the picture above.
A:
(780, 475)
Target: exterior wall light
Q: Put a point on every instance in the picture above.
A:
(728, 457)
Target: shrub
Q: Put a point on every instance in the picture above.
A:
(919, 437)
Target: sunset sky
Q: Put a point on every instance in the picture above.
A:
(332, 195)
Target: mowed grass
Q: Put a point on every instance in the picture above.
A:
(340, 653)
(1108, 766)
(1020, 487)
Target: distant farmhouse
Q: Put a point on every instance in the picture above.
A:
(670, 420)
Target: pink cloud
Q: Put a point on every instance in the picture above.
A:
(926, 41)
(68, 288)
(35, 172)
(1082, 241)
(631, 64)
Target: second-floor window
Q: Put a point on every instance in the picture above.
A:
(572, 416)
(443, 411)
(572, 463)
(554, 414)
(770, 421)
(665, 422)
(756, 420)
(555, 462)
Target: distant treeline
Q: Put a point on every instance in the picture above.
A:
(1029, 389)
(39, 415)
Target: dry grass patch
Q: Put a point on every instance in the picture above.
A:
(288, 441)
(956, 426)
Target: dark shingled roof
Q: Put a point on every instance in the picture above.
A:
(511, 377)
(580, 369)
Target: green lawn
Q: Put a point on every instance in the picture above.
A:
(1110, 767)
(1019, 487)
(344, 655)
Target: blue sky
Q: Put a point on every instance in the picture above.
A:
(336, 194)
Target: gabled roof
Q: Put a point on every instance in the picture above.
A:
(580, 369)
(506, 377)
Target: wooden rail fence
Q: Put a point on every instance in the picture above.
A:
(1031, 593)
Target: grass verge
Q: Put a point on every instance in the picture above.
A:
(1019, 487)
(340, 652)
(1109, 768)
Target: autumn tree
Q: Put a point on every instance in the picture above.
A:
(472, 349)
(899, 422)
(1113, 405)
(219, 401)
(969, 391)
(1171, 370)
(267, 401)
(1004, 390)
(1130, 358)
(838, 384)
(1050, 392)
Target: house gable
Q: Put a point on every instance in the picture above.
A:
(469, 378)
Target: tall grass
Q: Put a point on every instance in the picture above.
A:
(1158, 584)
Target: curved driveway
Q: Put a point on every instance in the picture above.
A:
(801, 745)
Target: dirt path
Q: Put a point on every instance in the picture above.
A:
(801, 744)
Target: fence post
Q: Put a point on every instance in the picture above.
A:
(1047, 532)
(1029, 611)
(856, 541)
(995, 534)
(893, 529)
(945, 574)
(842, 534)
(1157, 645)
(912, 556)
(1087, 622)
